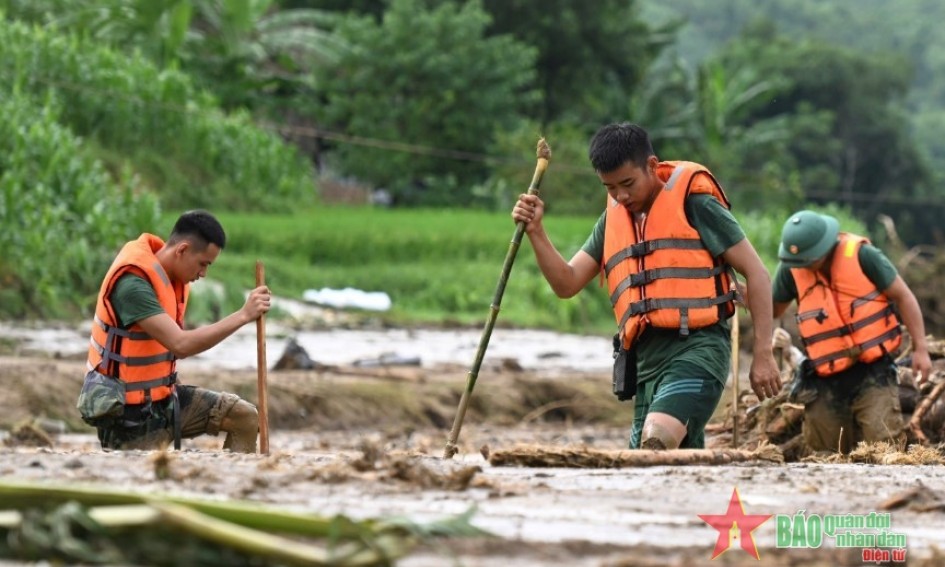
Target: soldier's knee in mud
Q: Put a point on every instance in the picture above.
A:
(242, 418)
(656, 436)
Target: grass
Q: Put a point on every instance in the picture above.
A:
(438, 266)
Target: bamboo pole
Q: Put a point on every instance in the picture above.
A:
(544, 155)
(735, 332)
(261, 369)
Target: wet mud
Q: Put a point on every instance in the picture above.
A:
(367, 442)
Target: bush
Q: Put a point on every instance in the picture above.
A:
(157, 122)
(62, 214)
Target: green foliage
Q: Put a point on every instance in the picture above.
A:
(872, 69)
(426, 74)
(437, 265)
(255, 56)
(569, 186)
(156, 122)
(62, 214)
(591, 55)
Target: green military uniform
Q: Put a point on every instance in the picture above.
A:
(683, 377)
(862, 402)
(202, 410)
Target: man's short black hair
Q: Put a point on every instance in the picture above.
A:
(199, 227)
(615, 144)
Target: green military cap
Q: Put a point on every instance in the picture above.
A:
(807, 236)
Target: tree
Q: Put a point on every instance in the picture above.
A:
(591, 55)
(427, 83)
(861, 154)
(251, 52)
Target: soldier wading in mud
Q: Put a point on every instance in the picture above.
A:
(131, 393)
(666, 243)
(848, 294)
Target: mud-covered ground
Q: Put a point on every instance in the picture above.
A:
(326, 424)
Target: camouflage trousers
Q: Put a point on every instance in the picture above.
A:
(202, 413)
(860, 404)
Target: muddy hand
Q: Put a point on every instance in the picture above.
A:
(921, 366)
(780, 338)
(530, 210)
(258, 303)
(764, 376)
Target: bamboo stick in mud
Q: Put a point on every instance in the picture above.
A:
(261, 369)
(735, 378)
(543, 155)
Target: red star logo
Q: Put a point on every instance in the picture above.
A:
(735, 525)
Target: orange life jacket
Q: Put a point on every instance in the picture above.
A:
(660, 273)
(145, 365)
(846, 319)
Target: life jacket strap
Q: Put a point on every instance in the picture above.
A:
(855, 351)
(107, 353)
(118, 331)
(649, 276)
(820, 314)
(147, 385)
(848, 329)
(653, 303)
(649, 246)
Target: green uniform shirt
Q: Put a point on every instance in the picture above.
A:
(876, 266)
(706, 350)
(134, 299)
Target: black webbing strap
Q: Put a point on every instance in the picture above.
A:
(649, 276)
(848, 329)
(652, 304)
(648, 246)
(819, 314)
(108, 354)
(133, 335)
(682, 303)
(863, 300)
(854, 352)
(149, 384)
(888, 335)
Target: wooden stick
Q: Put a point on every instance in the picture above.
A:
(735, 331)
(261, 369)
(915, 424)
(544, 155)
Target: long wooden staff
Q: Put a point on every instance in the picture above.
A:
(261, 369)
(544, 155)
(735, 378)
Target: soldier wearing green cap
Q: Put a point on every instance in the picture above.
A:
(851, 304)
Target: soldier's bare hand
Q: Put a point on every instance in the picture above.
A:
(780, 338)
(764, 376)
(921, 366)
(258, 303)
(530, 210)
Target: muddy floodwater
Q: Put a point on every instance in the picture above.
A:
(539, 350)
(556, 395)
